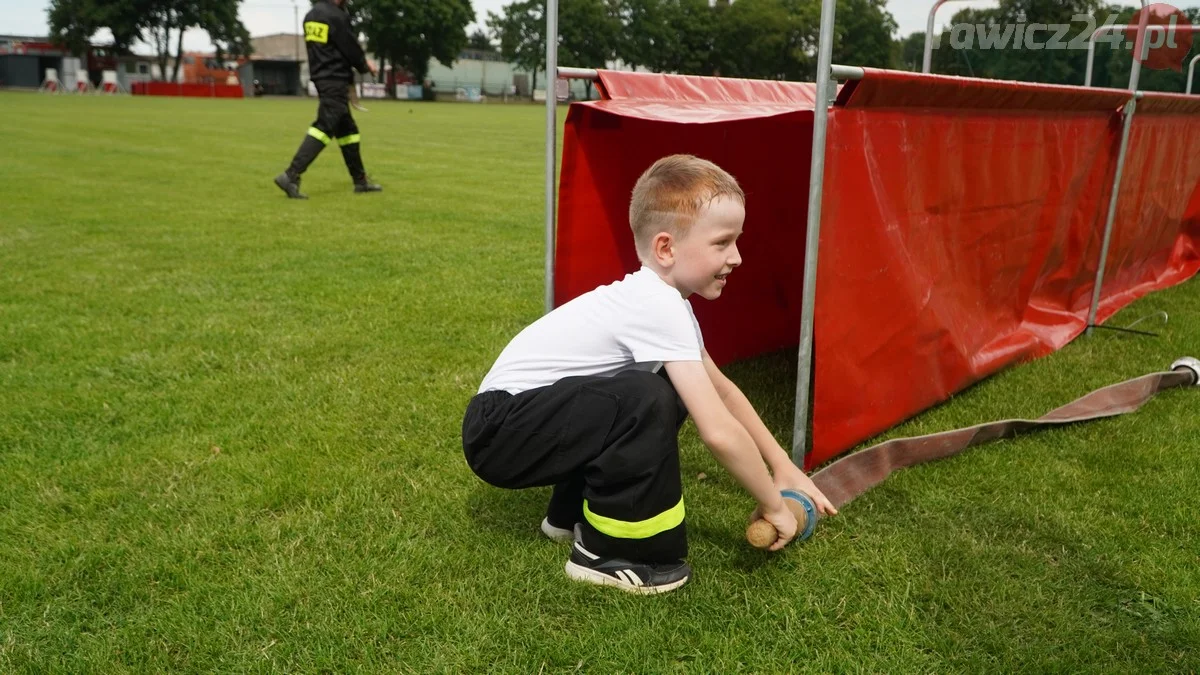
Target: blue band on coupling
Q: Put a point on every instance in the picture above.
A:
(810, 509)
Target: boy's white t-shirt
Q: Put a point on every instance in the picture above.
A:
(636, 323)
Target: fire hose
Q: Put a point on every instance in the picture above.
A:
(854, 474)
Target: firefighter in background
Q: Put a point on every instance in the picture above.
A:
(333, 56)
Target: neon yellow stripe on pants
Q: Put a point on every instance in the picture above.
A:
(641, 529)
(319, 135)
(348, 140)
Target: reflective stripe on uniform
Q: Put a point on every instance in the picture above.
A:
(642, 529)
(347, 140)
(318, 134)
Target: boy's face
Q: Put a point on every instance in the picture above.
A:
(705, 256)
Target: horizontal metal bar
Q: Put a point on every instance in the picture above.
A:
(847, 72)
(578, 73)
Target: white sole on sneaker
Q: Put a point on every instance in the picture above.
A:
(581, 573)
(557, 533)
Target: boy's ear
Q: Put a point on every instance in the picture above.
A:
(662, 249)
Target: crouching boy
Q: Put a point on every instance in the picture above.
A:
(578, 400)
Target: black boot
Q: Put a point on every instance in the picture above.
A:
(290, 185)
(353, 157)
(364, 184)
(289, 181)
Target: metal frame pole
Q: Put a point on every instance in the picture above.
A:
(1091, 56)
(551, 142)
(1143, 19)
(816, 184)
(1115, 193)
(1130, 108)
(927, 63)
(1135, 72)
(578, 73)
(841, 72)
(1191, 72)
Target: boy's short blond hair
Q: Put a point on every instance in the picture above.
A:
(671, 193)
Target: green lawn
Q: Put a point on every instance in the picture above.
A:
(229, 438)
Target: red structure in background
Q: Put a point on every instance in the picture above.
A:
(195, 90)
(961, 227)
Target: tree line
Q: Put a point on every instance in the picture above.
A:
(1030, 60)
(404, 33)
(767, 39)
(157, 23)
(777, 39)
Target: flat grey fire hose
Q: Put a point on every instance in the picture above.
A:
(854, 474)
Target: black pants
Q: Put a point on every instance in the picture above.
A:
(608, 445)
(334, 122)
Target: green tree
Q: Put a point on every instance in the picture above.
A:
(480, 40)
(909, 53)
(778, 39)
(691, 48)
(645, 30)
(767, 39)
(958, 51)
(1014, 53)
(588, 34)
(225, 30)
(1114, 61)
(73, 22)
(863, 35)
(158, 23)
(408, 33)
(521, 32)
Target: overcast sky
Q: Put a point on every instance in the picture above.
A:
(264, 17)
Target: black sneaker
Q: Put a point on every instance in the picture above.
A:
(643, 578)
(290, 185)
(365, 185)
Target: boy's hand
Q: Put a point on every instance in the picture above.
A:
(792, 478)
(784, 521)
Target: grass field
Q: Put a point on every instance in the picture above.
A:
(229, 439)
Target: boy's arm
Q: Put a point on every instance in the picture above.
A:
(787, 474)
(731, 444)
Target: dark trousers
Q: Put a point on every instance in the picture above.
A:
(608, 445)
(334, 122)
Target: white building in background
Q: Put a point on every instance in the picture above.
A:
(485, 70)
(282, 47)
(475, 72)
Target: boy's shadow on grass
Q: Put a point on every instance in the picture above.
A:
(515, 514)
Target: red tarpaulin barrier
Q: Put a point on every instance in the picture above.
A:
(609, 143)
(960, 234)
(961, 226)
(187, 89)
(1156, 234)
